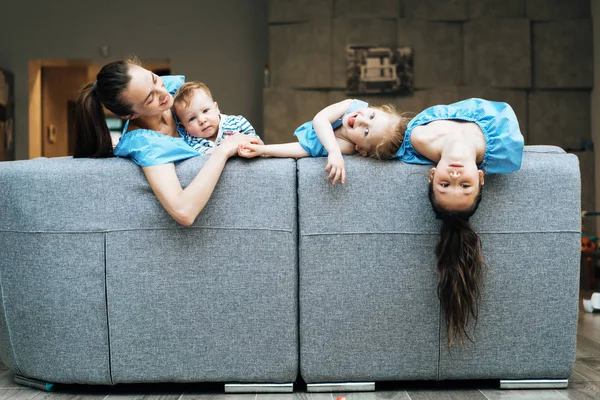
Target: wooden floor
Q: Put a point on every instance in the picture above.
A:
(583, 384)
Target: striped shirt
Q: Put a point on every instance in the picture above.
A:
(229, 126)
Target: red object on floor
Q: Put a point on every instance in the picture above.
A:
(340, 398)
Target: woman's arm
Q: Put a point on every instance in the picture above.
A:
(184, 205)
(293, 150)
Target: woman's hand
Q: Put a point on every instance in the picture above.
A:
(335, 166)
(249, 150)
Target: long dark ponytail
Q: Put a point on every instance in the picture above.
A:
(92, 134)
(460, 268)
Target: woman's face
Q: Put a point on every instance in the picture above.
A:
(146, 93)
(455, 185)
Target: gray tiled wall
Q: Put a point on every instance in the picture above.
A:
(300, 54)
(563, 54)
(360, 31)
(498, 54)
(559, 117)
(534, 54)
(497, 9)
(435, 10)
(437, 54)
(289, 109)
(360, 8)
(299, 10)
(546, 10)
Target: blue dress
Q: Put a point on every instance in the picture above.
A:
(308, 137)
(148, 148)
(503, 138)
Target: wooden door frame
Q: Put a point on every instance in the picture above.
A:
(35, 98)
(35, 92)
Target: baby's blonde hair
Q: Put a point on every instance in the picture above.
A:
(389, 145)
(186, 92)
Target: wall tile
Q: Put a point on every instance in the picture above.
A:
(299, 10)
(363, 31)
(412, 103)
(335, 96)
(498, 53)
(437, 54)
(563, 54)
(419, 100)
(497, 9)
(300, 55)
(360, 8)
(543, 10)
(373, 100)
(560, 118)
(287, 109)
(516, 98)
(435, 10)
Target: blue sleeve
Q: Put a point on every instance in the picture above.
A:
(356, 105)
(148, 148)
(309, 140)
(504, 140)
(173, 82)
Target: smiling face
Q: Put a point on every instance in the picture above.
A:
(146, 93)
(456, 184)
(201, 117)
(367, 127)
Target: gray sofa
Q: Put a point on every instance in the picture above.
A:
(282, 275)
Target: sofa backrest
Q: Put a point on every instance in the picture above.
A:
(100, 286)
(368, 296)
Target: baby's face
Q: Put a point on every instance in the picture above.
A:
(201, 118)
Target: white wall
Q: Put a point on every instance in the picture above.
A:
(223, 43)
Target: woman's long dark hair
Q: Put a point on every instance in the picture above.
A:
(460, 268)
(92, 136)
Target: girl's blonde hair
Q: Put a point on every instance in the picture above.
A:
(186, 92)
(390, 144)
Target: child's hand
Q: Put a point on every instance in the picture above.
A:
(249, 150)
(335, 166)
(229, 145)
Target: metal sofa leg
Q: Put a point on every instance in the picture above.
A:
(533, 383)
(341, 387)
(34, 383)
(259, 387)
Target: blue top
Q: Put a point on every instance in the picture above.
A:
(147, 147)
(308, 137)
(503, 138)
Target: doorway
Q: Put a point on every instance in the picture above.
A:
(54, 86)
(60, 88)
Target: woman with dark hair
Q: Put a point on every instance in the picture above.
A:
(465, 140)
(150, 136)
